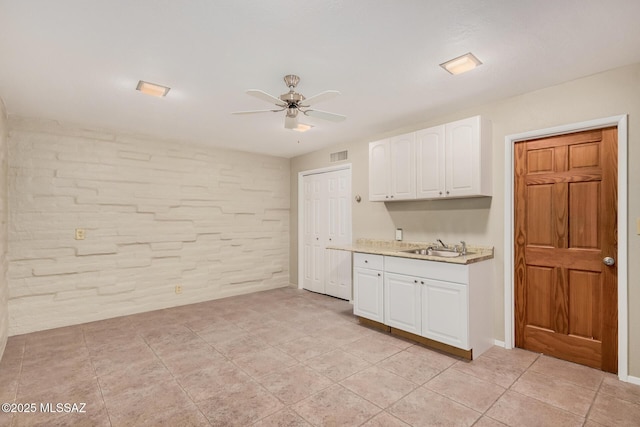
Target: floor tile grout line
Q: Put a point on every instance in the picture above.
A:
(93, 367)
(567, 381)
(510, 388)
(176, 380)
(257, 379)
(484, 413)
(12, 418)
(593, 400)
(586, 415)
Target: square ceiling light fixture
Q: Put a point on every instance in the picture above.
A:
(152, 89)
(461, 64)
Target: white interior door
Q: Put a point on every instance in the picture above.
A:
(314, 195)
(326, 220)
(338, 263)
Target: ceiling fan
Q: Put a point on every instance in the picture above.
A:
(293, 102)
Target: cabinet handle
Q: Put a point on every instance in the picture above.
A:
(378, 274)
(386, 197)
(366, 262)
(415, 281)
(329, 238)
(440, 193)
(392, 197)
(447, 192)
(421, 282)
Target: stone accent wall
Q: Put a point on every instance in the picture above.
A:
(157, 214)
(4, 286)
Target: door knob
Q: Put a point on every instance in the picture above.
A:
(608, 261)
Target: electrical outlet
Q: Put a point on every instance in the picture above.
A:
(80, 233)
(178, 289)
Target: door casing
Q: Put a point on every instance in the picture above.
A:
(621, 257)
(301, 176)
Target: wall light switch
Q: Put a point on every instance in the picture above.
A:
(398, 234)
(80, 233)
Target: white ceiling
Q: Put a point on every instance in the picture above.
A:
(78, 61)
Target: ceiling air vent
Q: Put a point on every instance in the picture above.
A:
(338, 156)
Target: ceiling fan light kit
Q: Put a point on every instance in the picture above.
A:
(293, 102)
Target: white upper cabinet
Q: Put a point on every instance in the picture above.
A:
(430, 149)
(446, 161)
(468, 158)
(392, 169)
(379, 171)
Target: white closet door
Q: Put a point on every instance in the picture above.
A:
(338, 263)
(327, 221)
(314, 230)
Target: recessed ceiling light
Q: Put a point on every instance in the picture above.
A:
(461, 64)
(301, 127)
(152, 89)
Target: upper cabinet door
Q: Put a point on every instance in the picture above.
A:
(430, 148)
(447, 161)
(403, 167)
(379, 173)
(468, 158)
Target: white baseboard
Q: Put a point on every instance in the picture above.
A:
(633, 380)
(498, 343)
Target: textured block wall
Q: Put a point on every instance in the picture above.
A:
(157, 214)
(4, 286)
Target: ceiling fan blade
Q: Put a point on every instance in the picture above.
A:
(323, 96)
(265, 96)
(325, 115)
(290, 122)
(255, 111)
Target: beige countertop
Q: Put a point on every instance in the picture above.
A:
(395, 248)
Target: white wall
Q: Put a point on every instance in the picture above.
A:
(4, 286)
(156, 213)
(481, 221)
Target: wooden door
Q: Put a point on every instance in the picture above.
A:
(565, 225)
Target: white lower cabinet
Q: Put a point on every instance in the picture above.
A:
(368, 287)
(445, 302)
(446, 313)
(402, 302)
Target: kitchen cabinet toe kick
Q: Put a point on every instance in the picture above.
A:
(436, 345)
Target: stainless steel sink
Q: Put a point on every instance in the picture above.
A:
(424, 251)
(442, 252)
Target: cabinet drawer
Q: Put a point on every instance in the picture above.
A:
(375, 262)
(428, 269)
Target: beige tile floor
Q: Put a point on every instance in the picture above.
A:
(290, 358)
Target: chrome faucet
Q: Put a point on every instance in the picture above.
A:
(463, 248)
(441, 243)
